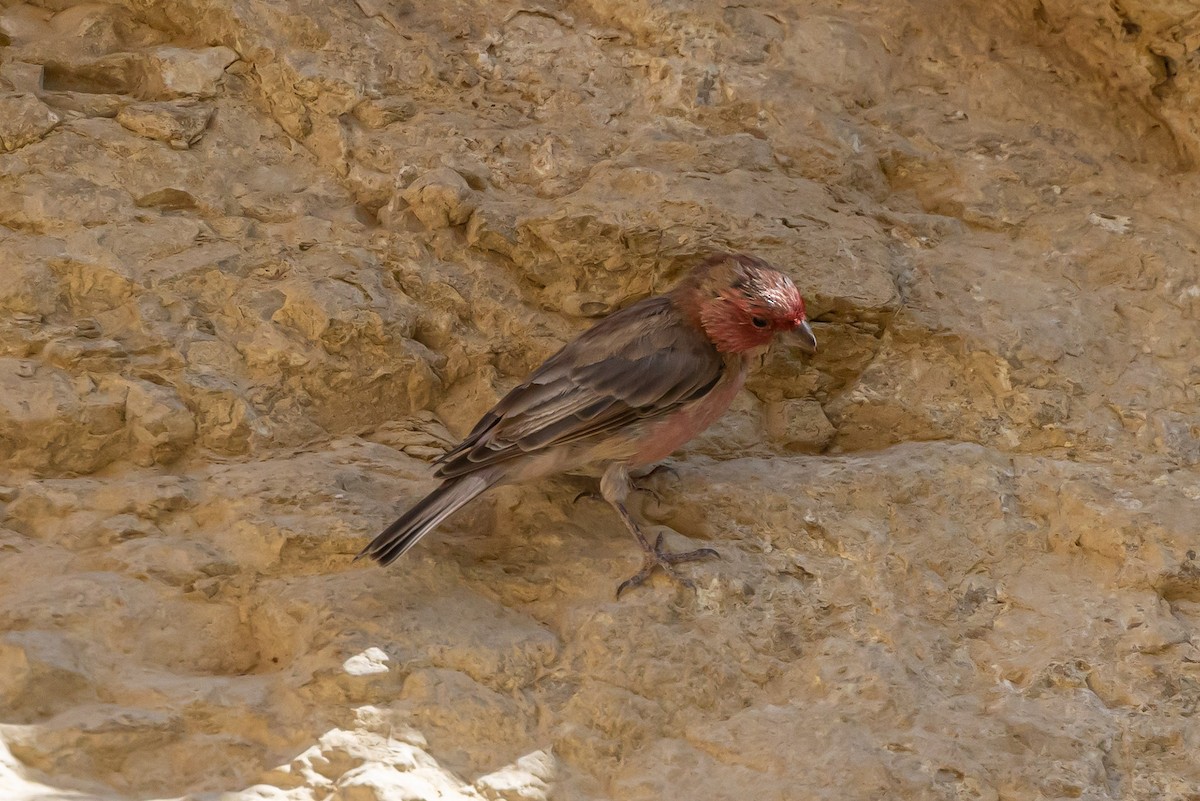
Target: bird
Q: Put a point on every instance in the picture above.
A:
(622, 395)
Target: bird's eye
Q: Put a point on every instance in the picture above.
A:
(758, 322)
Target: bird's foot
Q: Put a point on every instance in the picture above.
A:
(657, 470)
(640, 483)
(657, 559)
(590, 495)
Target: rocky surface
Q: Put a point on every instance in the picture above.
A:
(265, 258)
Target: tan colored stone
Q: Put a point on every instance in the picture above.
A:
(441, 198)
(23, 120)
(178, 124)
(799, 425)
(41, 412)
(960, 555)
(178, 72)
(162, 427)
(22, 77)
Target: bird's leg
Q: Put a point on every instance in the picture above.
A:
(635, 483)
(615, 486)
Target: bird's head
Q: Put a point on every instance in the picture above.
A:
(742, 302)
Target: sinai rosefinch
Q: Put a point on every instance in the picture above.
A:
(623, 394)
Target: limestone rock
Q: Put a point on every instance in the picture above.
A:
(264, 261)
(178, 72)
(441, 198)
(178, 124)
(800, 425)
(89, 104)
(23, 120)
(22, 77)
(44, 410)
(162, 427)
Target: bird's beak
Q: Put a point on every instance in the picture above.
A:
(804, 333)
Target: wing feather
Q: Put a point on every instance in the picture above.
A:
(642, 362)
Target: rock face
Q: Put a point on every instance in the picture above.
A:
(264, 260)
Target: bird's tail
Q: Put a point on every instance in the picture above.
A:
(418, 521)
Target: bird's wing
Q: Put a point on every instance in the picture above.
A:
(642, 362)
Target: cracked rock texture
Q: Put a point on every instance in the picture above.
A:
(264, 259)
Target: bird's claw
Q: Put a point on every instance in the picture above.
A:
(592, 495)
(658, 559)
(639, 483)
(652, 493)
(659, 469)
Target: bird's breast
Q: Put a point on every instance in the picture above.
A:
(663, 437)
